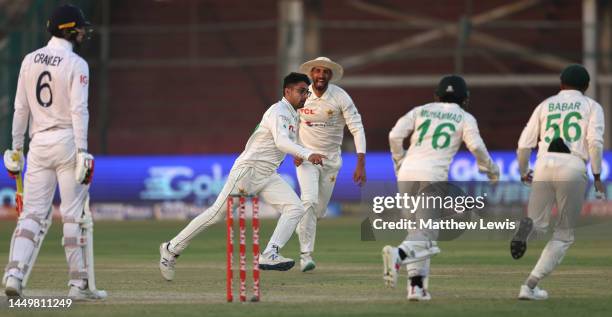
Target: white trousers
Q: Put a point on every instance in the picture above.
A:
(51, 160)
(412, 182)
(316, 185)
(559, 179)
(270, 187)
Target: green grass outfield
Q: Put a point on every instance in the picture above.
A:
(469, 278)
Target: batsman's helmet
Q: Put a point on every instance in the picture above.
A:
(66, 17)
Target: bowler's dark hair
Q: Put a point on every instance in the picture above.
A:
(294, 78)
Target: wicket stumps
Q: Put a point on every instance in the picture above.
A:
(242, 248)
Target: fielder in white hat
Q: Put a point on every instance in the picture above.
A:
(328, 109)
(324, 62)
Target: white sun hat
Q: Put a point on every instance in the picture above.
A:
(322, 61)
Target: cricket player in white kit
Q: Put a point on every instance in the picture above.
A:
(255, 173)
(52, 97)
(436, 131)
(568, 130)
(322, 120)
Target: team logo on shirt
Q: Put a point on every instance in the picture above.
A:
(330, 113)
(315, 124)
(84, 80)
(285, 119)
(307, 111)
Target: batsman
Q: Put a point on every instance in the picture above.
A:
(52, 98)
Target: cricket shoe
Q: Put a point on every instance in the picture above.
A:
(417, 294)
(13, 287)
(535, 293)
(167, 262)
(518, 245)
(78, 294)
(272, 260)
(306, 262)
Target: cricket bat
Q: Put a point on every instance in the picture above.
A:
(19, 192)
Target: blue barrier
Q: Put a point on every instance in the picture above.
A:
(199, 178)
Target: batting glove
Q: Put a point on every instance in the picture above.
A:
(13, 161)
(84, 167)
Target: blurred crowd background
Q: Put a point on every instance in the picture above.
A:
(195, 76)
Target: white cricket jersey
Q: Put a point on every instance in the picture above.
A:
(52, 93)
(576, 118)
(273, 138)
(322, 121)
(437, 129)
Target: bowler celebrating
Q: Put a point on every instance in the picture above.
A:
(255, 173)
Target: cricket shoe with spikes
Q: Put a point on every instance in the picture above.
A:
(79, 294)
(272, 260)
(417, 294)
(535, 293)
(13, 287)
(167, 262)
(306, 262)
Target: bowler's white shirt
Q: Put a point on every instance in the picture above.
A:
(273, 138)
